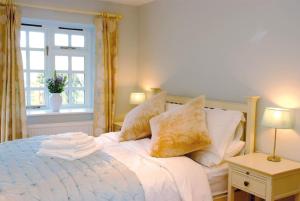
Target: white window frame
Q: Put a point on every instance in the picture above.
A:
(28, 89)
(49, 29)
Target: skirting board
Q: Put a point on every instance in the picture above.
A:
(55, 128)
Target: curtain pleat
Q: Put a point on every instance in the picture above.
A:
(105, 82)
(12, 105)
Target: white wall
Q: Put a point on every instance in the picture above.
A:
(127, 77)
(227, 50)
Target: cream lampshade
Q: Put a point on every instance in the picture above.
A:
(277, 118)
(137, 98)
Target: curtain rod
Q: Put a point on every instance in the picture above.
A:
(101, 14)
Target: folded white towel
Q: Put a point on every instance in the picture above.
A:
(71, 150)
(71, 144)
(53, 145)
(67, 154)
(69, 136)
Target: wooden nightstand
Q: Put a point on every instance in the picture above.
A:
(254, 174)
(118, 125)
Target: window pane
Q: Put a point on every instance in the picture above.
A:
(37, 97)
(24, 58)
(78, 97)
(77, 41)
(37, 80)
(77, 80)
(78, 63)
(61, 62)
(65, 98)
(37, 60)
(23, 39)
(36, 40)
(61, 40)
(25, 80)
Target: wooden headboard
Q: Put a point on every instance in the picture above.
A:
(248, 108)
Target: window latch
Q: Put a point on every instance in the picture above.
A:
(68, 48)
(34, 107)
(47, 50)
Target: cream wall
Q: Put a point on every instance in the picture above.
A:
(127, 77)
(227, 50)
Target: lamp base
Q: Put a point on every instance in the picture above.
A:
(274, 158)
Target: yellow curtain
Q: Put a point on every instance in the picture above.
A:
(105, 83)
(12, 105)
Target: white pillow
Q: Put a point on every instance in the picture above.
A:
(210, 159)
(222, 126)
(235, 149)
(239, 130)
(171, 106)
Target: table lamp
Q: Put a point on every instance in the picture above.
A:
(277, 118)
(137, 98)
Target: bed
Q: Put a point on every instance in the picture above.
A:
(119, 171)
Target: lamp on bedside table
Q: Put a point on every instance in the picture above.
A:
(277, 118)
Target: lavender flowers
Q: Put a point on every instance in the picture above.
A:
(57, 83)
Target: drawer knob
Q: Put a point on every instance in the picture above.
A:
(246, 183)
(247, 173)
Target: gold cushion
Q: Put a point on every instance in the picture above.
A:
(180, 131)
(136, 124)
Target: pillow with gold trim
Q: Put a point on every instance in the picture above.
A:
(136, 124)
(180, 131)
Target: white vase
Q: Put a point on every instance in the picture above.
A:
(55, 102)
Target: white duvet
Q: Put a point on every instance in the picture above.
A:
(163, 179)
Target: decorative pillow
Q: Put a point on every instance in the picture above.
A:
(136, 124)
(179, 131)
(239, 131)
(222, 128)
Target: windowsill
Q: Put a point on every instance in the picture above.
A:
(45, 112)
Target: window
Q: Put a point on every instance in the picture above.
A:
(64, 48)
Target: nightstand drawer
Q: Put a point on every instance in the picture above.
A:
(249, 173)
(249, 183)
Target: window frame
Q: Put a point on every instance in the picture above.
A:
(49, 29)
(27, 70)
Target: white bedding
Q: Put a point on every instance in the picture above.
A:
(217, 177)
(163, 179)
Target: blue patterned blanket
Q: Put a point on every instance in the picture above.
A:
(24, 176)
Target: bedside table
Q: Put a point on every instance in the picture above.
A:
(118, 126)
(254, 174)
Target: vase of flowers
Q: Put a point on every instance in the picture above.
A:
(56, 86)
